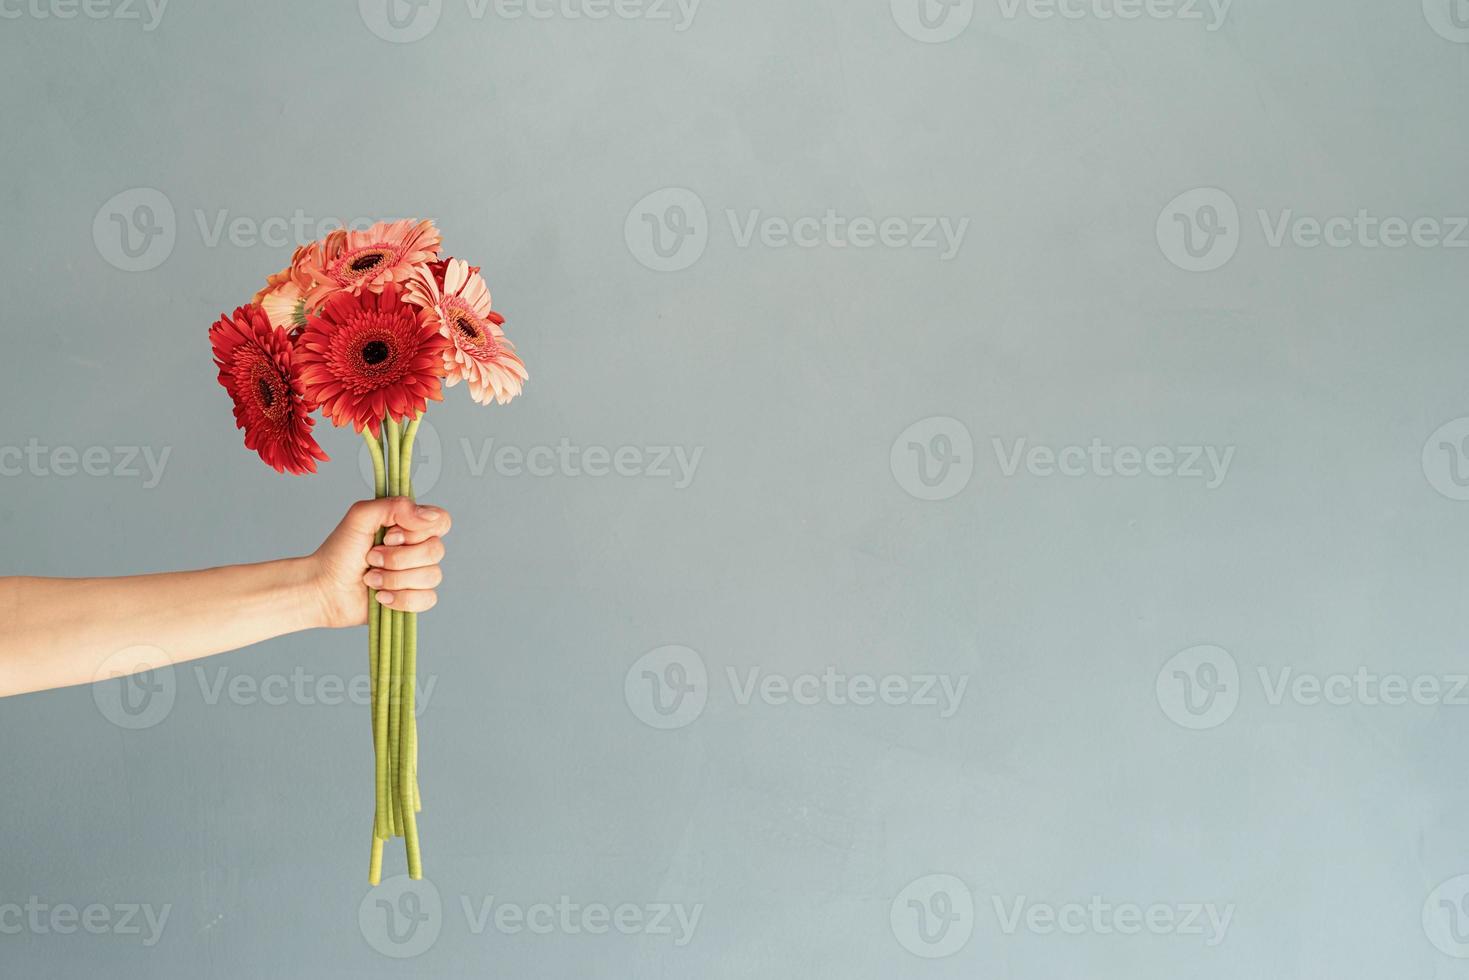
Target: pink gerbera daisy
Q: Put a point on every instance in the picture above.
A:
(440, 266)
(477, 351)
(358, 261)
(366, 356)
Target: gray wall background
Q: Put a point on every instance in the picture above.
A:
(1096, 751)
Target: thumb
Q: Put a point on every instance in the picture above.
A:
(366, 516)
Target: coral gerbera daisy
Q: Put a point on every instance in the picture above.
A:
(477, 351)
(255, 362)
(358, 261)
(366, 356)
(284, 297)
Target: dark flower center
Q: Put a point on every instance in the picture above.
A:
(365, 262)
(375, 352)
(467, 327)
(267, 392)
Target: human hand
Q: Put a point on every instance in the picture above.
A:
(404, 568)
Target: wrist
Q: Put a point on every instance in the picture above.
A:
(305, 592)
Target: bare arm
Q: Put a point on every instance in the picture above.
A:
(60, 632)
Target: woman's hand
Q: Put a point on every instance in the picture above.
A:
(60, 632)
(404, 568)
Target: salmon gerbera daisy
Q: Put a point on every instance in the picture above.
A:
(367, 261)
(256, 366)
(284, 297)
(477, 351)
(366, 356)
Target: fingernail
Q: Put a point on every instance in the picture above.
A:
(393, 538)
(373, 579)
(375, 557)
(428, 512)
(385, 598)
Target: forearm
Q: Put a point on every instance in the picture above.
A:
(59, 632)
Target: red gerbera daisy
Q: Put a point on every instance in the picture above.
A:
(255, 362)
(370, 355)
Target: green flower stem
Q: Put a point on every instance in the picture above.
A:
(383, 818)
(375, 862)
(411, 717)
(408, 723)
(383, 823)
(405, 461)
(395, 676)
(405, 764)
(380, 489)
(400, 633)
(379, 473)
(374, 627)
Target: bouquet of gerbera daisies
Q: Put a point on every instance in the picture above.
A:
(367, 326)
